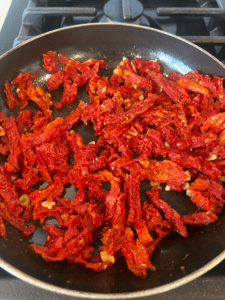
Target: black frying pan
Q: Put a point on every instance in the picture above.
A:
(177, 260)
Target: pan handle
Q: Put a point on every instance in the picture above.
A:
(207, 40)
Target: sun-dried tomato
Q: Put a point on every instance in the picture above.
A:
(14, 220)
(29, 177)
(23, 77)
(171, 88)
(127, 72)
(190, 85)
(203, 80)
(186, 159)
(2, 228)
(24, 121)
(50, 62)
(172, 139)
(180, 121)
(151, 215)
(56, 80)
(79, 174)
(12, 100)
(170, 213)
(14, 150)
(206, 194)
(216, 123)
(71, 119)
(40, 97)
(199, 218)
(145, 64)
(166, 171)
(106, 176)
(7, 191)
(174, 76)
(69, 95)
(137, 257)
(220, 91)
(97, 193)
(150, 127)
(51, 130)
(22, 95)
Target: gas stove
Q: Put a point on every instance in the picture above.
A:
(199, 21)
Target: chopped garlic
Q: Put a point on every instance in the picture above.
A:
(24, 200)
(188, 193)
(48, 204)
(92, 143)
(186, 186)
(166, 144)
(134, 133)
(189, 175)
(211, 157)
(144, 163)
(141, 97)
(106, 257)
(167, 188)
(2, 131)
(154, 183)
(133, 67)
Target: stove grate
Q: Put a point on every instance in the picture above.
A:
(209, 16)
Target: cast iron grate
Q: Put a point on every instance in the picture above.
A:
(200, 21)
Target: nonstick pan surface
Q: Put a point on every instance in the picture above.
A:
(177, 260)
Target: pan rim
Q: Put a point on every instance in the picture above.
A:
(112, 24)
(144, 293)
(149, 292)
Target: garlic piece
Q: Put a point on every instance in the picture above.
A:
(48, 204)
(188, 193)
(167, 188)
(24, 200)
(141, 97)
(166, 144)
(186, 186)
(211, 157)
(106, 257)
(189, 175)
(2, 131)
(154, 183)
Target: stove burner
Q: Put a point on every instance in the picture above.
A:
(123, 11)
(143, 20)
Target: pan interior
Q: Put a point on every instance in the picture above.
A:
(176, 256)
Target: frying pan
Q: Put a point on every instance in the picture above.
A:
(177, 260)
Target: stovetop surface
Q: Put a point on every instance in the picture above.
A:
(207, 287)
